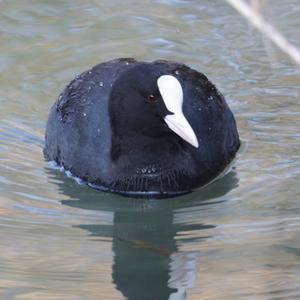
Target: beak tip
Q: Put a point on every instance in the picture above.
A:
(178, 124)
(195, 143)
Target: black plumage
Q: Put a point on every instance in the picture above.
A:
(107, 128)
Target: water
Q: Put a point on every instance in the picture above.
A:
(238, 238)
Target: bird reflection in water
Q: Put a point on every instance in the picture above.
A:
(147, 235)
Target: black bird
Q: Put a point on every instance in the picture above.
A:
(155, 129)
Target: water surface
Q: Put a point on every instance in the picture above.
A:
(238, 238)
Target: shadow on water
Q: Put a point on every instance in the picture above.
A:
(148, 263)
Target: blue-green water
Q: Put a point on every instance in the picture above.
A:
(238, 238)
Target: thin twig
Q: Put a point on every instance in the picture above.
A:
(266, 28)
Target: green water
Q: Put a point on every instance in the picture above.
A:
(238, 238)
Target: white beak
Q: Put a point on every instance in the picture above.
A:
(172, 95)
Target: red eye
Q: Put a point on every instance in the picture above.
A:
(151, 98)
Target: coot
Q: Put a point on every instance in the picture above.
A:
(149, 129)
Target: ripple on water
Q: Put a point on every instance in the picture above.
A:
(237, 238)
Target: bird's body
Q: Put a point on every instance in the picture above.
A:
(146, 129)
